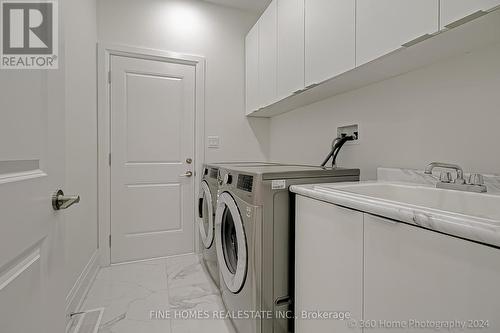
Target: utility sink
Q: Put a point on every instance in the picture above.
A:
(478, 205)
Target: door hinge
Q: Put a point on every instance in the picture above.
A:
(109, 159)
(109, 241)
(109, 77)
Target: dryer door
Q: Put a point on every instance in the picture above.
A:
(206, 215)
(231, 243)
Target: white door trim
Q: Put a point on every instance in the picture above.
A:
(105, 51)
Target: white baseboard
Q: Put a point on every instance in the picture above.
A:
(77, 294)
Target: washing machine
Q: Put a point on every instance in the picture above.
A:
(254, 241)
(207, 201)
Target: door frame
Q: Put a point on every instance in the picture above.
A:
(104, 53)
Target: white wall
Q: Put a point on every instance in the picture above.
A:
(447, 112)
(81, 135)
(204, 29)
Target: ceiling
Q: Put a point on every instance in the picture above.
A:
(257, 6)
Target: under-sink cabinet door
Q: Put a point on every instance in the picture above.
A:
(412, 273)
(453, 10)
(252, 69)
(290, 75)
(328, 265)
(383, 26)
(329, 39)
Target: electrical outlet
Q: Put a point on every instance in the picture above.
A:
(213, 142)
(349, 130)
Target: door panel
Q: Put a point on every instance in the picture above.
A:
(383, 26)
(31, 169)
(422, 275)
(267, 56)
(329, 39)
(252, 70)
(152, 113)
(290, 73)
(452, 10)
(152, 135)
(328, 264)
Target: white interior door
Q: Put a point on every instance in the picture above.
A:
(32, 167)
(152, 140)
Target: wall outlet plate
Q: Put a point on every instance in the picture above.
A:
(349, 130)
(213, 142)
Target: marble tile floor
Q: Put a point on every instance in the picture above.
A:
(129, 292)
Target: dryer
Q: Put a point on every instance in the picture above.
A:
(254, 241)
(207, 201)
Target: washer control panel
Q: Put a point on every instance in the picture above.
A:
(245, 183)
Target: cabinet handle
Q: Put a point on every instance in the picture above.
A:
(284, 300)
(312, 85)
(385, 220)
(417, 40)
(466, 19)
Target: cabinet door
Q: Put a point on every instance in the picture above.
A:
(328, 264)
(452, 10)
(382, 26)
(290, 47)
(252, 70)
(329, 39)
(267, 56)
(413, 273)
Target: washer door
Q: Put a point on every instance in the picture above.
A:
(231, 243)
(206, 215)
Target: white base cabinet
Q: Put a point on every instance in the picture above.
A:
(453, 10)
(329, 265)
(406, 278)
(412, 273)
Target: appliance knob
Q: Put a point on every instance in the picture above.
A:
(228, 179)
(205, 171)
(476, 179)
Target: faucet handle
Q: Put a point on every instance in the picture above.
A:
(445, 177)
(476, 179)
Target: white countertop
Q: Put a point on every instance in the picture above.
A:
(476, 228)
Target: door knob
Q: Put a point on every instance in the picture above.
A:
(61, 201)
(187, 174)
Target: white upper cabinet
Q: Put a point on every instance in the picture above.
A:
(267, 55)
(453, 10)
(382, 26)
(252, 69)
(329, 38)
(290, 47)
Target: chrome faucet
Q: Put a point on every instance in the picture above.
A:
(460, 172)
(475, 183)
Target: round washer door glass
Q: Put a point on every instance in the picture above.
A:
(231, 243)
(206, 215)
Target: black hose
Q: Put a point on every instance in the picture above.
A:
(337, 144)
